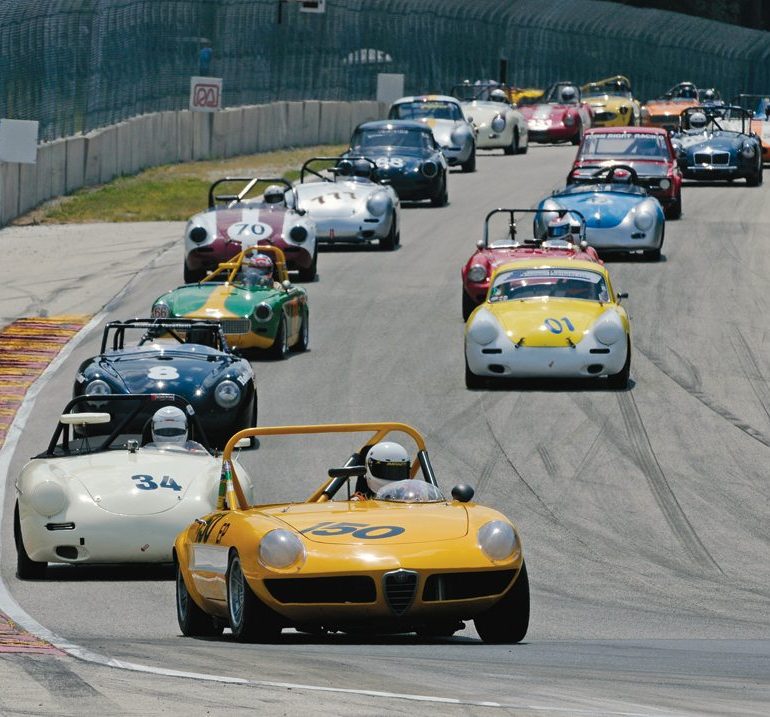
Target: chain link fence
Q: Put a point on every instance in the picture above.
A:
(75, 65)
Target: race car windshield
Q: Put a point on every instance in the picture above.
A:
(367, 139)
(562, 94)
(523, 284)
(410, 491)
(599, 89)
(431, 110)
(624, 145)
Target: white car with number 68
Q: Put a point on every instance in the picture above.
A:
(102, 494)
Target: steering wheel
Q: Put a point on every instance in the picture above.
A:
(608, 173)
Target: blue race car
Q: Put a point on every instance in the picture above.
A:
(407, 157)
(717, 142)
(186, 357)
(620, 216)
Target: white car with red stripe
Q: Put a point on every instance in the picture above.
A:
(234, 222)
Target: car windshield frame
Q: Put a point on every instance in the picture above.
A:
(424, 141)
(592, 141)
(570, 284)
(426, 109)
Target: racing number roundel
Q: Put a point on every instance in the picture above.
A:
(249, 231)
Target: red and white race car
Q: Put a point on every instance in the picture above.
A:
(565, 240)
(561, 116)
(233, 222)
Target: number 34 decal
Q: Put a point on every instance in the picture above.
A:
(144, 482)
(357, 530)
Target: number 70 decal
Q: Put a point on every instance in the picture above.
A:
(555, 325)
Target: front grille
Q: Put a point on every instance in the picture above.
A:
(60, 526)
(465, 586)
(345, 589)
(712, 158)
(399, 588)
(236, 326)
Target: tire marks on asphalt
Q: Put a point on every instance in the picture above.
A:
(665, 498)
(751, 370)
(68, 689)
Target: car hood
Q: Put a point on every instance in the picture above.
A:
(246, 224)
(527, 319)
(720, 141)
(643, 167)
(216, 301)
(121, 482)
(378, 522)
(673, 107)
(338, 199)
(546, 111)
(484, 112)
(602, 210)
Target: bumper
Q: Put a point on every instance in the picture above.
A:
(623, 239)
(456, 155)
(553, 134)
(715, 172)
(366, 229)
(588, 359)
(417, 188)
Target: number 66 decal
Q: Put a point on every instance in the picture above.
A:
(555, 325)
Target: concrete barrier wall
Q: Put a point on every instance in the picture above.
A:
(150, 140)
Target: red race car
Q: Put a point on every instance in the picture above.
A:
(565, 239)
(647, 149)
(561, 116)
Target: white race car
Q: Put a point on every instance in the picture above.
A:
(451, 128)
(102, 494)
(344, 200)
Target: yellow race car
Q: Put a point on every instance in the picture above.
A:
(376, 548)
(560, 319)
(612, 102)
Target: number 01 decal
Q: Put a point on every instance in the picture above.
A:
(356, 530)
(555, 326)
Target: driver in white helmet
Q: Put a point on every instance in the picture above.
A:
(169, 431)
(498, 95)
(387, 462)
(569, 95)
(275, 196)
(697, 121)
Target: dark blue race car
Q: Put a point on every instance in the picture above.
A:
(181, 356)
(407, 157)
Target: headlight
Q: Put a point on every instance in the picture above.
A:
(263, 312)
(497, 539)
(665, 183)
(498, 123)
(483, 330)
(459, 136)
(198, 234)
(48, 498)
(643, 220)
(378, 204)
(569, 120)
(608, 329)
(97, 387)
(429, 169)
(280, 549)
(298, 234)
(477, 273)
(160, 310)
(747, 150)
(227, 394)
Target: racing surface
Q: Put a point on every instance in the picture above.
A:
(643, 512)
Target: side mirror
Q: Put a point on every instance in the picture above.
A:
(480, 244)
(462, 493)
(470, 119)
(622, 295)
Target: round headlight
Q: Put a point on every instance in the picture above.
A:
(643, 220)
(459, 136)
(263, 312)
(48, 498)
(97, 387)
(227, 394)
(477, 273)
(608, 329)
(569, 120)
(747, 150)
(665, 183)
(160, 310)
(483, 330)
(281, 549)
(378, 204)
(298, 234)
(429, 169)
(198, 234)
(498, 123)
(497, 539)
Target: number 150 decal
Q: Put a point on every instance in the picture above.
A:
(357, 530)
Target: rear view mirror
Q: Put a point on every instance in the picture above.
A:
(83, 419)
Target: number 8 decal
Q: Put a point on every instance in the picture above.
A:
(162, 373)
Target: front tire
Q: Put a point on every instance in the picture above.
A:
(26, 568)
(441, 198)
(754, 180)
(193, 622)
(578, 138)
(468, 305)
(675, 210)
(469, 165)
(309, 273)
(250, 619)
(507, 620)
(303, 344)
(619, 380)
(388, 243)
(280, 348)
(472, 381)
(513, 148)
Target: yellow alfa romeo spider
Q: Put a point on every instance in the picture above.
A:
(612, 102)
(376, 548)
(560, 320)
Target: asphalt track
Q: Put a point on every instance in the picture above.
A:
(644, 512)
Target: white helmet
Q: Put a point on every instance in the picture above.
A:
(498, 95)
(568, 95)
(274, 194)
(169, 426)
(697, 120)
(559, 227)
(386, 461)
